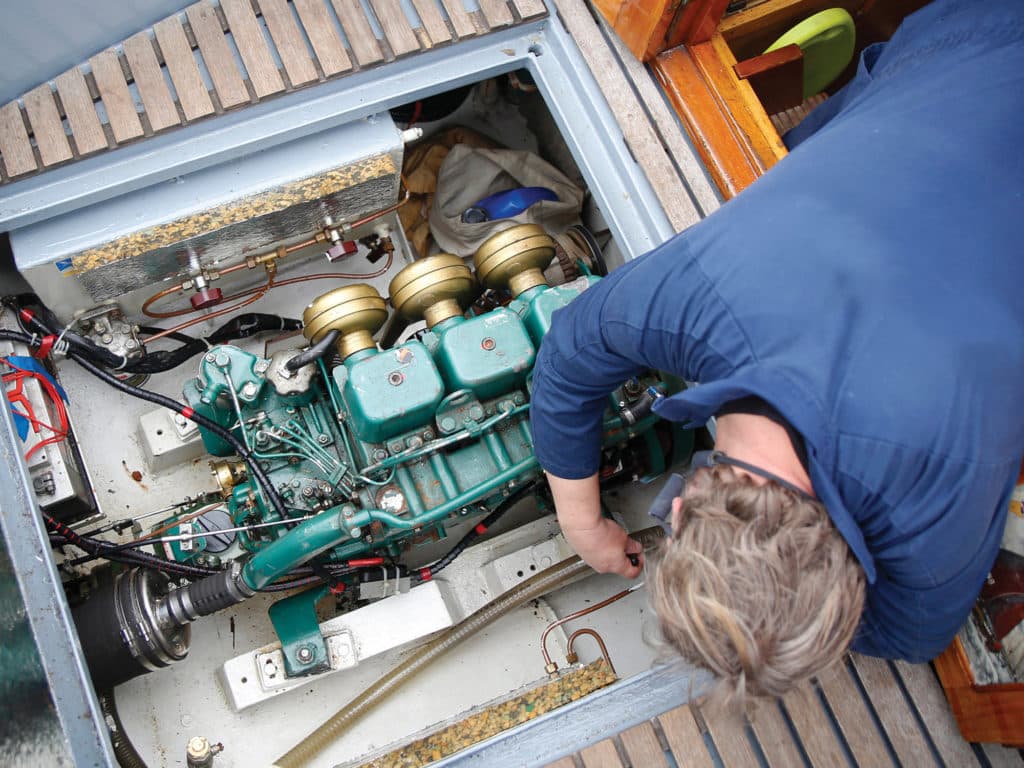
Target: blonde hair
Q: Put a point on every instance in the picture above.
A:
(756, 584)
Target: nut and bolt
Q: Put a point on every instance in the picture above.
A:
(210, 358)
(414, 442)
(396, 447)
(395, 378)
(518, 398)
(488, 344)
(323, 439)
(356, 532)
(250, 389)
(476, 412)
(447, 424)
(304, 654)
(308, 492)
(107, 338)
(261, 366)
(428, 434)
(222, 360)
(379, 454)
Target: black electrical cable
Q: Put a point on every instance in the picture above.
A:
(210, 425)
(430, 571)
(315, 352)
(98, 548)
(240, 327)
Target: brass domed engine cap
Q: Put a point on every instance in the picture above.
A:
(434, 288)
(515, 257)
(357, 311)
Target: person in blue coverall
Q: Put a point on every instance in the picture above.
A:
(855, 322)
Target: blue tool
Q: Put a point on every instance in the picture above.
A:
(504, 205)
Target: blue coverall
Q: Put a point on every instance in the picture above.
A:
(867, 288)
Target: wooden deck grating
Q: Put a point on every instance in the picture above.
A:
(214, 57)
(864, 713)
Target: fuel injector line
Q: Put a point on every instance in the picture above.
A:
(315, 352)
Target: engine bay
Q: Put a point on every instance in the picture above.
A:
(253, 505)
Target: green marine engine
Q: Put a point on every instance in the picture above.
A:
(393, 443)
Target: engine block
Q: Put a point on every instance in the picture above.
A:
(372, 450)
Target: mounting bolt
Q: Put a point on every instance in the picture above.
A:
(304, 654)
(261, 366)
(380, 454)
(107, 338)
(447, 424)
(356, 533)
(250, 388)
(323, 439)
(210, 357)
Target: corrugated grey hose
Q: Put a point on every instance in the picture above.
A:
(537, 586)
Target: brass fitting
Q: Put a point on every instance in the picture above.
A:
(228, 474)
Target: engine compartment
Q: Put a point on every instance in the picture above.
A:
(354, 462)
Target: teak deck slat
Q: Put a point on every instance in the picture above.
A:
(460, 19)
(814, 729)
(323, 36)
(149, 79)
(358, 31)
(291, 47)
(642, 747)
(1002, 757)
(252, 46)
(728, 731)
(565, 762)
(780, 751)
(684, 738)
(496, 12)
(601, 755)
(86, 129)
(892, 709)
(217, 55)
(639, 135)
(529, 8)
(397, 29)
(852, 715)
(433, 21)
(680, 209)
(923, 687)
(47, 127)
(181, 64)
(15, 148)
(118, 102)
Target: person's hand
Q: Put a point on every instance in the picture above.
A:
(606, 547)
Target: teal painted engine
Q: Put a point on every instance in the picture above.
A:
(373, 450)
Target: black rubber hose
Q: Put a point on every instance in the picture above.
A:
(428, 572)
(240, 327)
(255, 469)
(314, 353)
(100, 548)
